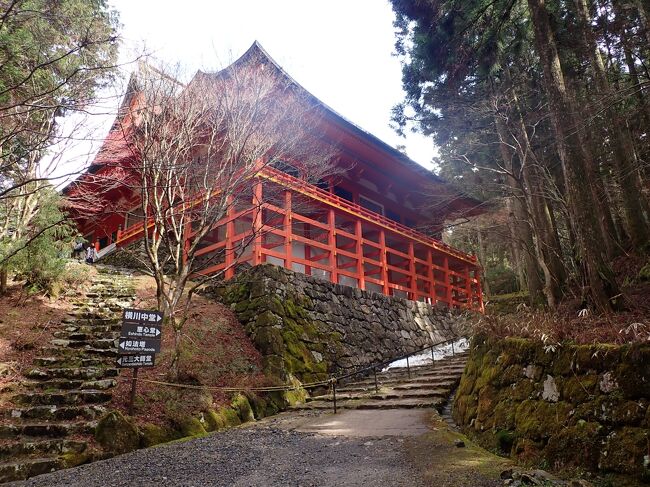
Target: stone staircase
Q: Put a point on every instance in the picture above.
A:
(52, 414)
(428, 386)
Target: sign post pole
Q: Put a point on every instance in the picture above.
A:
(134, 383)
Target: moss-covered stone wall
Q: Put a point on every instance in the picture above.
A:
(576, 406)
(307, 327)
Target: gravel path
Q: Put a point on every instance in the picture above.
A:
(385, 448)
(257, 456)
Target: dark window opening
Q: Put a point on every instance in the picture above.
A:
(409, 223)
(393, 216)
(286, 168)
(371, 205)
(343, 193)
(322, 184)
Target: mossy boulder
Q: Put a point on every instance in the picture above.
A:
(242, 406)
(540, 419)
(230, 416)
(74, 459)
(214, 420)
(152, 434)
(190, 426)
(578, 389)
(624, 451)
(116, 434)
(575, 446)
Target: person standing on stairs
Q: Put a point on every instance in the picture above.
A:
(91, 254)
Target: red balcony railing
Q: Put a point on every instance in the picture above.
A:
(297, 225)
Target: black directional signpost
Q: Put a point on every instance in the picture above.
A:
(139, 342)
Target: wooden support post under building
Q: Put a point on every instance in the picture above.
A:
(448, 290)
(288, 230)
(468, 288)
(229, 248)
(431, 276)
(331, 241)
(359, 251)
(257, 223)
(412, 277)
(384, 262)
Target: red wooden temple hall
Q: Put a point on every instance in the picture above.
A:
(375, 225)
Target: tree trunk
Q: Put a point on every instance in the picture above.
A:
(549, 251)
(575, 163)
(624, 156)
(521, 231)
(482, 259)
(3, 281)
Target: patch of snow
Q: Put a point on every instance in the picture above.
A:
(439, 353)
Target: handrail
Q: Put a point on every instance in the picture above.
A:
(334, 380)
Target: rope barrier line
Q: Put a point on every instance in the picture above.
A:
(282, 388)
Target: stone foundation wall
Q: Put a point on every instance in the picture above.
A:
(578, 406)
(310, 327)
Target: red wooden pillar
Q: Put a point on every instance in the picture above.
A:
(468, 288)
(384, 262)
(448, 290)
(479, 289)
(412, 278)
(359, 251)
(288, 230)
(229, 248)
(331, 242)
(257, 223)
(431, 277)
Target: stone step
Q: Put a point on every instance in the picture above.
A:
(99, 343)
(84, 373)
(395, 374)
(63, 397)
(68, 384)
(89, 335)
(410, 403)
(53, 384)
(44, 429)
(391, 381)
(24, 469)
(63, 361)
(92, 329)
(56, 413)
(447, 383)
(75, 321)
(385, 395)
(11, 449)
(70, 353)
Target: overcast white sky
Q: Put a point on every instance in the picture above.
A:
(339, 50)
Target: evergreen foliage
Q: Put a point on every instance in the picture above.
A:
(541, 107)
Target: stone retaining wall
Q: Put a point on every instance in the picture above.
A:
(309, 327)
(577, 406)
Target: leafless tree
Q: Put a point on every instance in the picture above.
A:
(199, 150)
